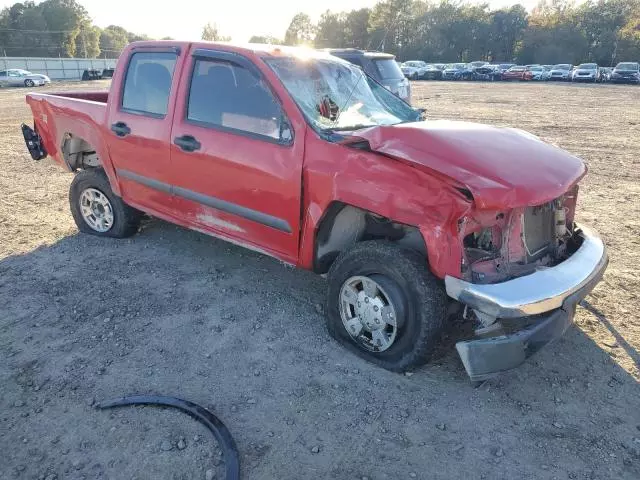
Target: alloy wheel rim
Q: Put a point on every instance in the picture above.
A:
(368, 313)
(96, 210)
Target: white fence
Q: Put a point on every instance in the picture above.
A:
(58, 68)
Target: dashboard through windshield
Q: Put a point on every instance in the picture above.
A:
(335, 95)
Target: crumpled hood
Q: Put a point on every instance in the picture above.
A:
(501, 167)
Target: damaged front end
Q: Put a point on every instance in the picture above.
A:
(523, 271)
(500, 245)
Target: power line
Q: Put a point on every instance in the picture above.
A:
(36, 31)
(32, 47)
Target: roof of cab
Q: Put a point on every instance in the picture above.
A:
(260, 49)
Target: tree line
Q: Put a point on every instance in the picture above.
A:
(63, 28)
(555, 31)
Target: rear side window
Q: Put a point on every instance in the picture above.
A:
(148, 83)
(388, 69)
(227, 95)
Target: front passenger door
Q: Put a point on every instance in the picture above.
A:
(237, 168)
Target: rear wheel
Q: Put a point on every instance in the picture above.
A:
(97, 210)
(384, 305)
(29, 83)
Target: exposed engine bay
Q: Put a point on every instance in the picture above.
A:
(499, 246)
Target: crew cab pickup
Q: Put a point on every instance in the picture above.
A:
(299, 155)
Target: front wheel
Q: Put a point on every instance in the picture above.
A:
(384, 305)
(29, 83)
(97, 210)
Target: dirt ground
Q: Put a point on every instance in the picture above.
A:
(176, 312)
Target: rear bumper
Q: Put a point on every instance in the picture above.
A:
(544, 300)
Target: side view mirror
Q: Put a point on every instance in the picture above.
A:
(286, 132)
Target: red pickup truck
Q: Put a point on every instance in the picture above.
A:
(299, 155)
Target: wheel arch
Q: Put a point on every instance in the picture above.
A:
(343, 225)
(78, 153)
(83, 152)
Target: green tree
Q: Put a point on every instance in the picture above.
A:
(330, 31)
(113, 39)
(64, 19)
(211, 34)
(356, 23)
(265, 39)
(88, 41)
(628, 42)
(507, 29)
(392, 25)
(301, 31)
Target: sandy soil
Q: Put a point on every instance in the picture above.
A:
(176, 312)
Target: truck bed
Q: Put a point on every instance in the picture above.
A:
(92, 96)
(80, 114)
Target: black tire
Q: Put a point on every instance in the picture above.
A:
(421, 296)
(126, 219)
(29, 83)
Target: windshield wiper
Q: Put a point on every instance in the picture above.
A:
(358, 126)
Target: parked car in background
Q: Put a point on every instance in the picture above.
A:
(605, 74)
(414, 69)
(409, 72)
(453, 71)
(517, 72)
(487, 73)
(477, 63)
(301, 157)
(538, 72)
(15, 77)
(381, 66)
(626, 72)
(561, 71)
(432, 72)
(503, 67)
(586, 72)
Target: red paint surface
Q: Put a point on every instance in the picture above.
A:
(413, 175)
(517, 75)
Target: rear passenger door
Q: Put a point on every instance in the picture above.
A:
(237, 166)
(139, 126)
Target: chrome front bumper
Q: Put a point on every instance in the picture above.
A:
(540, 292)
(547, 298)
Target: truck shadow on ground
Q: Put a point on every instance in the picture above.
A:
(620, 340)
(173, 311)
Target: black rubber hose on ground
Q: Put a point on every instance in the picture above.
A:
(204, 416)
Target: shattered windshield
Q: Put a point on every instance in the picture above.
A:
(336, 95)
